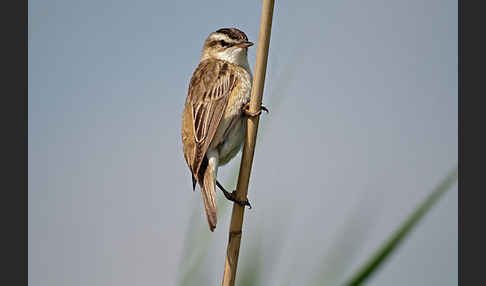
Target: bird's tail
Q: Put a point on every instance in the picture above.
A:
(209, 197)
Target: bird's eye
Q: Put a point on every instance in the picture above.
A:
(224, 44)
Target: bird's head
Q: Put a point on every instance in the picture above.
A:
(227, 44)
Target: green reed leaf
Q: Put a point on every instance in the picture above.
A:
(383, 252)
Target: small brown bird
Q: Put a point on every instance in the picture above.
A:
(213, 122)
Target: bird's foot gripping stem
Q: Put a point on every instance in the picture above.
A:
(247, 112)
(232, 196)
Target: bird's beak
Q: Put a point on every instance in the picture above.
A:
(244, 44)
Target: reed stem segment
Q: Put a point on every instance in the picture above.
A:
(235, 231)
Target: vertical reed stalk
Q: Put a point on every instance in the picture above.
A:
(233, 249)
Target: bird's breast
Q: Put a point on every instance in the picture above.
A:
(232, 127)
(240, 94)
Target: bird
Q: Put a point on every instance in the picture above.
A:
(216, 106)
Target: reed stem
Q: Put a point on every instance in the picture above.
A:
(232, 252)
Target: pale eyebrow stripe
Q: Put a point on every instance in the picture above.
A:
(223, 37)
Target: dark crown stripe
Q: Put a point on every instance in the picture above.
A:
(233, 33)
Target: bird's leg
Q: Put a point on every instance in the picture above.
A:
(246, 110)
(232, 196)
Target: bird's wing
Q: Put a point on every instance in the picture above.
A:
(209, 90)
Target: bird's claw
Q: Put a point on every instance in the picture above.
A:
(247, 112)
(232, 197)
